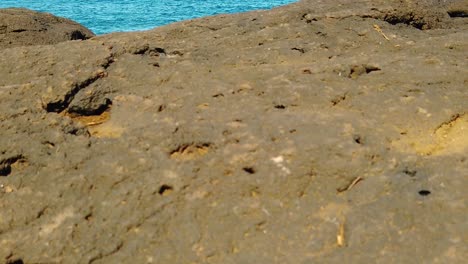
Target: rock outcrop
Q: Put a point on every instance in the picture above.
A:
(318, 132)
(23, 27)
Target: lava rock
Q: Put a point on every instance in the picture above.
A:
(310, 133)
(23, 27)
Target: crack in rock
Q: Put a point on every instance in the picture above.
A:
(104, 255)
(60, 105)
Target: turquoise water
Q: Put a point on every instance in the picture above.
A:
(105, 16)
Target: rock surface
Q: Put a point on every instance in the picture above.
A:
(319, 132)
(23, 27)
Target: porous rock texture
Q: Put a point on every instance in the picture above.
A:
(318, 132)
(23, 27)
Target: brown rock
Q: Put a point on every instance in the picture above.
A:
(23, 27)
(319, 132)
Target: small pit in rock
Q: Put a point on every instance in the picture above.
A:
(77, 35)
(424, 192)
(165, 190)
(88, 217)
(7, 164)
(280, 106)
(5, 170)
(249, 170)
(357, 139)
(190, 151)
(457, 13)
(15, 261)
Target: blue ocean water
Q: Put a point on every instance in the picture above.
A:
(105, 16)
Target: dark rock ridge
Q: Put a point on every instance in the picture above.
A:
(23, 27)
(319, 132)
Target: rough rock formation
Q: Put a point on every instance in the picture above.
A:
(319, 132)
(23, 27)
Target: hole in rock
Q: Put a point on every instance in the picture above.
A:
(457, 13)
(5, 170)
(55, 107)
(41, 212)
(76, 35)
(6, 164)
(74, 131)
(280, 106)
(357, 139)
(424, 192)
(88, 217)
(218, 95)
(15, 261)
(370, 68)
(161, 108)
(249, 170)
(165, 189)
(157, 52)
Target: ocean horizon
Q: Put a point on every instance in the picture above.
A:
(107, 16)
